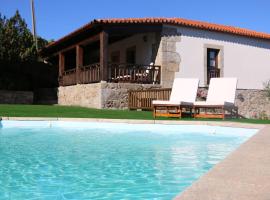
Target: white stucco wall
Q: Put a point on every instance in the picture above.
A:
(247, 59)
(143, 48)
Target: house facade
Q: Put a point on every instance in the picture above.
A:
(101, 61)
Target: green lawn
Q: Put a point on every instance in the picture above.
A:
(80, 112)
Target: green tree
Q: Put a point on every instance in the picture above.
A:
(16, 40)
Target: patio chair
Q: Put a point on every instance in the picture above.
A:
(220, 98)
(183, 95)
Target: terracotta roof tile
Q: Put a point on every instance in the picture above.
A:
(172, 21)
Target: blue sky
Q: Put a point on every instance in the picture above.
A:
(56, 18)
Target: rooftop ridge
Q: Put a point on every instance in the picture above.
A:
(164, 20)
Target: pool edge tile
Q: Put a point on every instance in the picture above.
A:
(134, 121)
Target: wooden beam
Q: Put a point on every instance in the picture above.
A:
(103, 56)
(79, 62)
(82, 43)
(90, 40)
(61, 68)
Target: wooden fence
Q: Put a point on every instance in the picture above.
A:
(142, 99)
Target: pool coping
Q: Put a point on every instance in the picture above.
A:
(235, 177)
(243, 175)
(138, 121)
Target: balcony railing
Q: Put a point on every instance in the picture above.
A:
(134, 73)
(124, 73)
(213, 73)
(89, 74)
(69, 77)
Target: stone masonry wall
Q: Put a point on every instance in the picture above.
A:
(167, 56)
(86, 95)
(99, 95)
(251, 103)
(16, 97)
(115, 95)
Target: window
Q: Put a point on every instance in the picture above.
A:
(131, 55)
(213, 69)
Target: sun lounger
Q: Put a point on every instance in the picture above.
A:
(183, 95)
(220, 98)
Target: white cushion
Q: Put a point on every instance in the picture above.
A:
(159, 102)
(213, 103)
(222, 90)
(184, 89)
(184, 92)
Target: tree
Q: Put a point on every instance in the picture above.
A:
(20, 64)
(16, 40)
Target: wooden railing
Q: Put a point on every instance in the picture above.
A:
(89, 73)
(69, 77)
(129, 73)
(134, 73)
(142, 99)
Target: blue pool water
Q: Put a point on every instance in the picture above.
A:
(74, 160)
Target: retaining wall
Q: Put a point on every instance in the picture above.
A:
(99, 95)
(251, 103)
(16, 97)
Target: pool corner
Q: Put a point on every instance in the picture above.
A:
(243, 175)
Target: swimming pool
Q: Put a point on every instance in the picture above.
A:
(78, 160)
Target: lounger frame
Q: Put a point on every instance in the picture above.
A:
(170, 110)
(184, 92)
(232, 111)
(220, 100)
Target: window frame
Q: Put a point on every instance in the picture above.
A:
(219, 62)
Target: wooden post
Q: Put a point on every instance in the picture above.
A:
(79, 62)
(61, 68)
(104, 56)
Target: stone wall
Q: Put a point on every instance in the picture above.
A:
(115, 95)
(99, 95)
(45, 96)
(167, 55)
(251, 103)
(86, 95)
(16, 97)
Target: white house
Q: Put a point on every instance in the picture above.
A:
(246, 58)
(147, 51)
